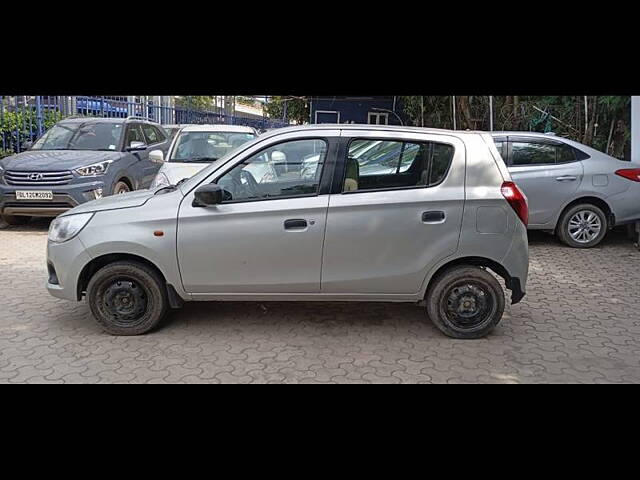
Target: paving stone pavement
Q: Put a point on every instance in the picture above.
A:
(580, 322)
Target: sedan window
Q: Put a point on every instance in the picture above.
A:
(533, 153)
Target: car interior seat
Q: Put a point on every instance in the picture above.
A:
(352, 176)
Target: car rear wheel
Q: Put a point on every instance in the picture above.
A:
(120, 188)
(127, 298)
(465, 302)
(582, 226)
(14, 220)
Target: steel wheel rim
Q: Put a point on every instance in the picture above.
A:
(125, 301)
(468, 305)
(584, 226)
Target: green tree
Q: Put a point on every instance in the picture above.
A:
(297, 108)
(197, 102)
(602, 122)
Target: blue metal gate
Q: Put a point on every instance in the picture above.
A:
(25, 118)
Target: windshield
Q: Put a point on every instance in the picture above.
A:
(81, 136)
(206, 147)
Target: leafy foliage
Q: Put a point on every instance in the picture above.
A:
(297, 108)
(22, 126)
(605, 123)
(195, 102)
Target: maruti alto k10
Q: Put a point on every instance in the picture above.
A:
(336, 212)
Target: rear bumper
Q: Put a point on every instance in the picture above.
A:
(65, 198)
(625, 206)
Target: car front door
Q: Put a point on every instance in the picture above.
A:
(267, 235)
(395, 211)
(139, 168)
(548, 173)
(155, 140)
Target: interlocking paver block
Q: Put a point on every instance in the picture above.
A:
(578, 323)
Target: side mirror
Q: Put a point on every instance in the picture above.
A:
(156, 156)
(136, 146)
(208, 195)
(27, 145)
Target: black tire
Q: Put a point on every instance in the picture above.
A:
(127, 298)
(15, 220)
(465, 302)
(121, 187)
(573, 215)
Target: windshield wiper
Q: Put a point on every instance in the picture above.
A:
(171, 187)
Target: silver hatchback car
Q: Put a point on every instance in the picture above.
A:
(425, 231)
(573, 190)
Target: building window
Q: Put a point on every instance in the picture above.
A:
(376, 118)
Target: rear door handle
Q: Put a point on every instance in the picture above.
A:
(566, 177)
(295, 224)
(433, 217)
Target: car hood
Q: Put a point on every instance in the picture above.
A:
(114, 202)
(177, 171)
(55, 160)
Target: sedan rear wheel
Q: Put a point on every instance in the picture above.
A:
(583, 226)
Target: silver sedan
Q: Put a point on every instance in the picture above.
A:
(575, 191)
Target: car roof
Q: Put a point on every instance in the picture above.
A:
(218, 128)
(106, 120)
(504, 133)
(369, 128)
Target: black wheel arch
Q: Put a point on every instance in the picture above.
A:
(598, 202)
(96, 264)
(512, 283)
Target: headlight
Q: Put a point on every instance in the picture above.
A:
(161, 180)
(65, 228)
(95, 169)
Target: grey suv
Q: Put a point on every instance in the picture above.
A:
(573, 190)
(78, 160)
(425, 231)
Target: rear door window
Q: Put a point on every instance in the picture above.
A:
(385, 164)
(532, 153)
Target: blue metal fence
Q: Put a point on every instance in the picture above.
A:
(25, 118)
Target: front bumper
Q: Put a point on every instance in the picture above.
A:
(65, 262)
(65, 197)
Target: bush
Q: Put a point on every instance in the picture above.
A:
(15, 126)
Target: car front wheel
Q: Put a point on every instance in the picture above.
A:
(465, 302)
(127, 298)
(582, 226)
(120, 188)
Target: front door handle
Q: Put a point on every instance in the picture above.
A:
(566, 178)
(295, 224)
(433, 217)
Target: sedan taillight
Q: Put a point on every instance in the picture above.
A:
(632, 174)
(517, 199)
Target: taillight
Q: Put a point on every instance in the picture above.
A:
(632, 174)
(517, 200)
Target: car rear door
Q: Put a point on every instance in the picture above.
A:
(384, 234)
(267, 236)
(548, 173)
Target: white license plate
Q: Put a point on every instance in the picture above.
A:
(35, 195)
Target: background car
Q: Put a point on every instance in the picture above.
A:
(195, 146)
(78, 160)
(575, 191)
